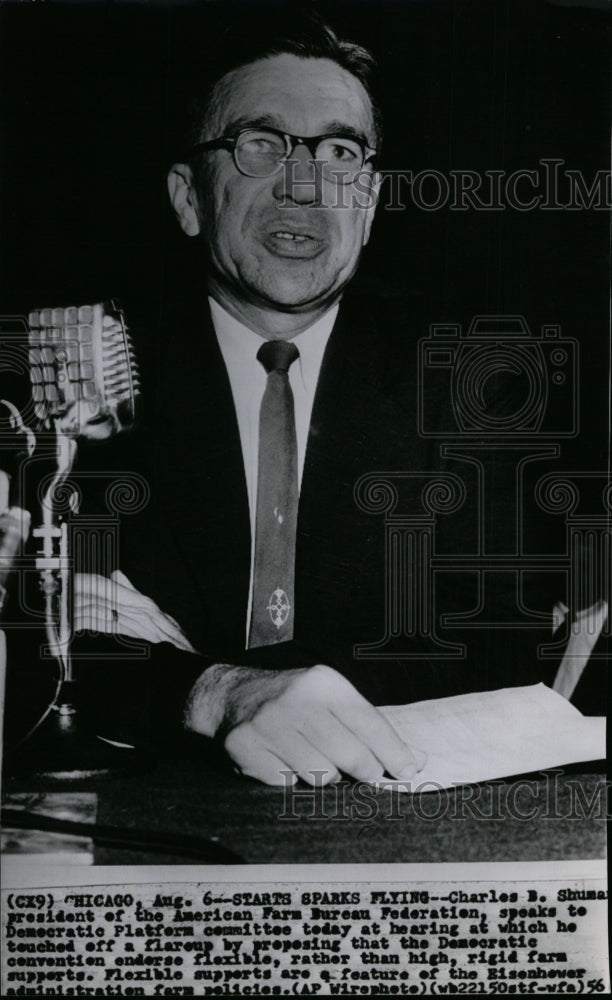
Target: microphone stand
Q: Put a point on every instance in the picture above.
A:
(53, 563)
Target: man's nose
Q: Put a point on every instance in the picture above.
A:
(298, 181)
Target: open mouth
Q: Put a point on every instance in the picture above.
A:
(289, 243)
(297, 237)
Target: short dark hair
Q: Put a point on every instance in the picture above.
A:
(300, 33)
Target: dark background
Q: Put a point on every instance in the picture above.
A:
(90, 97)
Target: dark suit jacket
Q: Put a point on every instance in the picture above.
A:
(368, 475)
(189, 549)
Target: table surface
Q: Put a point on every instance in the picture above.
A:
(543, 816)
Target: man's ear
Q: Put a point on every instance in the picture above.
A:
(183, 197)
(372, 202)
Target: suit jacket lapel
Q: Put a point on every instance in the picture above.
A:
(204, 485)
(358, 426)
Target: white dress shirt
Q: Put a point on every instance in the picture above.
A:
(239, 346)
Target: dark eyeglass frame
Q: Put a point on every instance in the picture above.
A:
(311, 142)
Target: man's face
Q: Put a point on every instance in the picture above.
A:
(299, 256)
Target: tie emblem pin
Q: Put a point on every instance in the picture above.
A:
(278, 607)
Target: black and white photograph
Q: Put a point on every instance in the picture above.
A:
(305, 496)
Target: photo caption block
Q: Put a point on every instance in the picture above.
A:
(515, 932)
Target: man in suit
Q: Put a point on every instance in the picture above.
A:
(282, 238)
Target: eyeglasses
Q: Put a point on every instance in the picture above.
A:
(261, 152)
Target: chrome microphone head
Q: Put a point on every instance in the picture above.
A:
(83, 370)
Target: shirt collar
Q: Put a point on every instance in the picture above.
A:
(239, 344)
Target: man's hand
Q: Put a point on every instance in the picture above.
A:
(301, 720)
(113, 605)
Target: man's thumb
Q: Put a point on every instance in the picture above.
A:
(118, 577)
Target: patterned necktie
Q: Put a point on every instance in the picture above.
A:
(272, 612)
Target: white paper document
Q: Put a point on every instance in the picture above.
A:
(493, 734)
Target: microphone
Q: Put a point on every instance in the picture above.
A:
(83, 371)
(85, 384)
